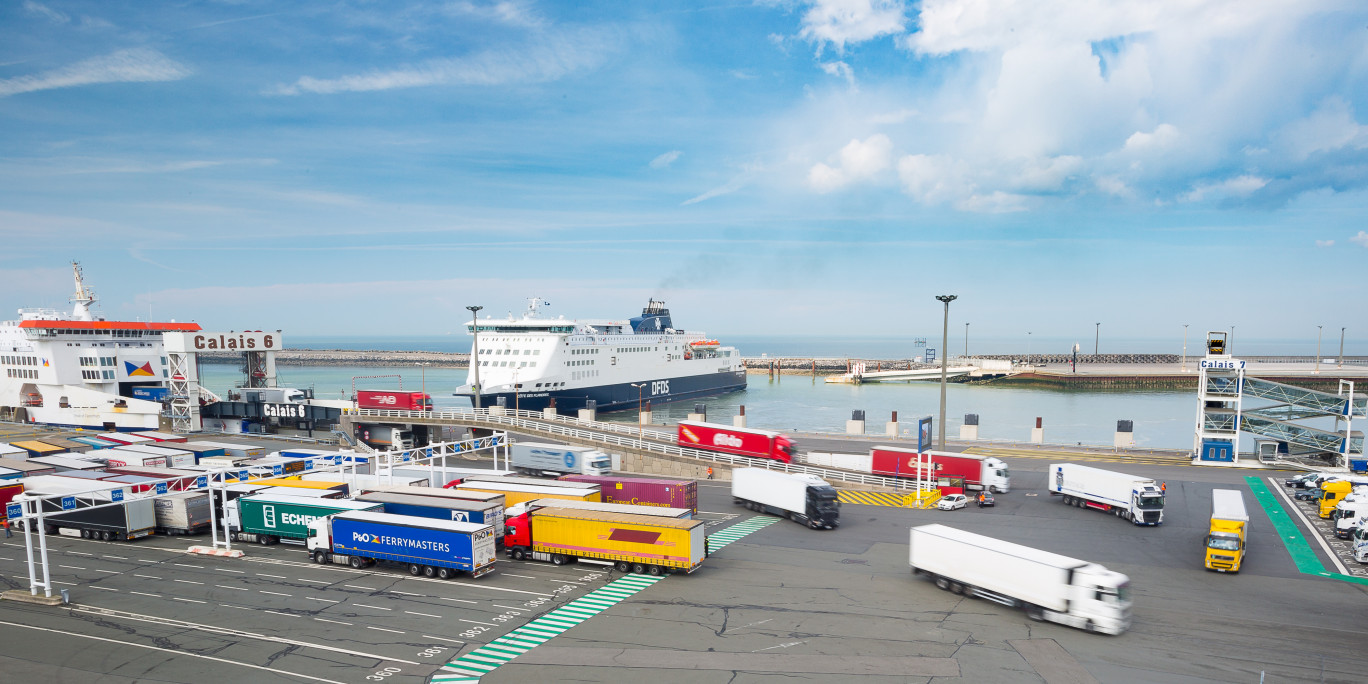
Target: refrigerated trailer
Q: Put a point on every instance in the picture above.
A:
(534, 458)
(1137, 499)
(734, 440)
(124, 521)
(977, 472)
(433, 548)
(802, 498)
(1046, 585)
(438, 508)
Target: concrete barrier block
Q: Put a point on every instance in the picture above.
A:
(588, 415)
(969, 432)
(891, 430)
(549, 412)
(855, 427)
(739, 421)
(1037, 435)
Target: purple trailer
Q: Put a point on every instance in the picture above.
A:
(640, 491)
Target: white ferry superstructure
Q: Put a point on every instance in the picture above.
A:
(530, 361)
(78, 370)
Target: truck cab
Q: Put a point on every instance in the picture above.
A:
(517, 529)
(1348, 515)
(996, 476)
(1361, 542)
(1332, 492)
(823, 508)
(1148, 504)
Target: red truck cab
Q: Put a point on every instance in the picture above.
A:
(518, 532)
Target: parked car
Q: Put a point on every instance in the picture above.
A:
(985, 499)
(953, 501)
(1300, 481)
(1311, 494)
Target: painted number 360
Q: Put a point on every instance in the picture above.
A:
(660, 387)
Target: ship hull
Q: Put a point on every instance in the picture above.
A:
(620, 396)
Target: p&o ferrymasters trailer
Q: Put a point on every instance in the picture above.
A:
(1046, 585)
(1137, 499)
(433, 548)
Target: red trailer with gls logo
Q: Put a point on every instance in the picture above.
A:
(393, 400)
(734, 440)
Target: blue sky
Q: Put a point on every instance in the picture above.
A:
(363, 168)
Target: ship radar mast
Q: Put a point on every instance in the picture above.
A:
(84, 296)
(533, 304)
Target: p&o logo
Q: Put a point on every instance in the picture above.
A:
(364, 538)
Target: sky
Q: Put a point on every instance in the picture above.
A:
(768, 168)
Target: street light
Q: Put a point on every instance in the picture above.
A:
(966, 338)
(641, 434)
(1341, 356)
(945, 358)
(1318, 347)
(1097, 335)
(475, 350)
(1028, 346)
(427, 406)
(1185, 326)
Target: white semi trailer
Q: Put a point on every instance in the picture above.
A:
(802, 498)
(1046, 585)
(1137, 499)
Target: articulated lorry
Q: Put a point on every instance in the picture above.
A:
(975, 472)
(126, 520)
(802, 498)
(182, 513)
(532, 458)
(428, 547)
(641, 491)
(1225, 542)
(726, 439)
(1137, 499)
(1046, 585)
(439, 508)
(646, 544)
(660, 511)
(267, 519)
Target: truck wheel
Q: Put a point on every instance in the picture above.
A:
(956, 588)
(518, 554)
(1034, 612)
(943, 583)
(623, 566)
(558, 559)
(264, 539)
(107, 535)
(655, 570)
(993, 489)
(85, 534)
(319, 557)
(358, 562)
(445, 573)
(415, 569)
(638, 568)
(429, 571)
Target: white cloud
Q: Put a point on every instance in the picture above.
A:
(1325, 243)
(894, 117)
(1162, 137)
(934, 179)
(839, 70)
(1113, 186)
(1239, 186)
(851, 21)
(858, 161)
(136, 65)
(666, 159)
(510, 13)
(996, 202)
(1330, 127)
(46, 12)
(547, 60)
(1361, 239)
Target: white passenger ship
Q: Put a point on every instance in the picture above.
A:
(527, 362)
(78, 370)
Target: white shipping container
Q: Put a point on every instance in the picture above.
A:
(175, 458)
(184, 511)
(121, 456)
(361, 480)
(858, 462)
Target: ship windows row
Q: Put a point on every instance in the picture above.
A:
(21, 360)
(579, 363)
(21, 373)
(106, 361)
(97, 375)
(515, 352)
(584, 351)
(580, 375)
(510, 364)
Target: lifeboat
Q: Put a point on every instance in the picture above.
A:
(704, 344)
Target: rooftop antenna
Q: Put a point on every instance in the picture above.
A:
(84, 296)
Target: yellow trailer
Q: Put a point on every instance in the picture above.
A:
(515, 493)
(636, 543)
(303, 484)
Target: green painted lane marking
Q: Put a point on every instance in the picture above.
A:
(718, 540)
(468, 668)
(1305, 558)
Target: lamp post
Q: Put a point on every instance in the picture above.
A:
(640, 429)
(1341, 355)
(945, 358)
(423, 366)
(1097, 335)
(1318, 346)
(966, 338)
(475, 350)
(1185, 326)
(1028, 346)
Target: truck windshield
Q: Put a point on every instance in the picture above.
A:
(603, 463)
(1002, 473)
(1151, 502)
(1224, 542)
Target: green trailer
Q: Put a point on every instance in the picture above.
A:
(266, 519)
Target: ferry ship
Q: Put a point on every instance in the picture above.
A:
(525, 363)
(79, 370)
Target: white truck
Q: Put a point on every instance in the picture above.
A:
(182, 513)
(802, 498)
(1349, 514)
(1046, 585)
(1137, 499)
(533, 458)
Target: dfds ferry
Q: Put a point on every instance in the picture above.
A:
(529, 361)
(76, 369)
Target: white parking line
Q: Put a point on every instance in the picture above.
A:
(314, 598)
(224, 586)
(439, 617)
(335, 622)
(353, 586)
(177, 598)
(382, 629)
(273, 593)
(404, 593)
(186, 581)
(262, 574)
(139, 593)
(1334, 557)
(225, 605)
(183, 565)
(451, 641)
(314, 581)
(109, 572)
(146, 576)
(509, 574)
(272, 612)
(489, 624)
(71, 567)
(80, 553)
(360, 605)
(117, 557)
(443, 598)
(96, 586)
(144, 560)
(233, 571)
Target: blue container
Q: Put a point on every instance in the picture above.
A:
(150, 393)
(1358, 465)
(96, 442)
(439, 508)
(1217, 450)
(467, 547)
